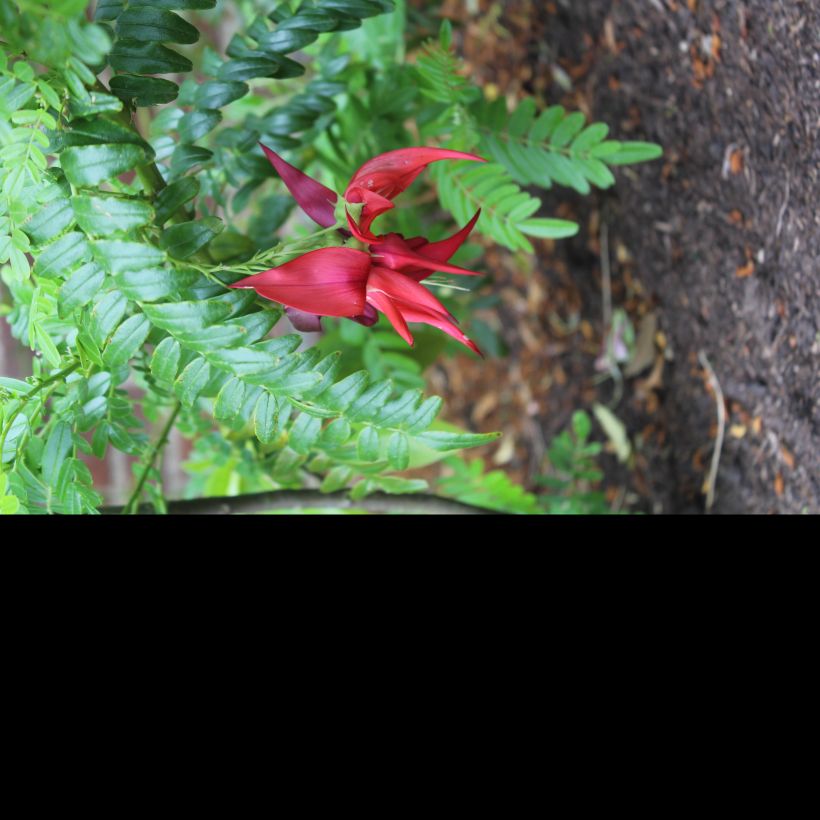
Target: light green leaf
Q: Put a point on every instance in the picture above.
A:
(89, 165)
(127, 340)
(104, 215)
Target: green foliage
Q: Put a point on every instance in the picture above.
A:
(493, 490)
(117, 247)
(573, 470)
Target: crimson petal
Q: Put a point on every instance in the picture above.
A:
(327, 282)
(317, 201)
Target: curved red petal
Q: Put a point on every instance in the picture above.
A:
(400, 287)
(317, 201)
(443, 250)
(381, 301)
(327, 282)
(391, 173)
(414, 313)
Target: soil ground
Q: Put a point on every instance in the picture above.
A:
(713, 250)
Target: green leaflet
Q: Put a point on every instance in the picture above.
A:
(218, 94)
(127, 340)
(173, 197)
(143, 91)
(79, 289)
(185, 239)
(104, 215)
(137, 57)
(156, 25)
(118, 256)
(165, 361)
(89, 165)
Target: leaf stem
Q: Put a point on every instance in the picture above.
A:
(133, 502)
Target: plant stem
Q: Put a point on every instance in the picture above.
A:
(25, 399)
(133, 502)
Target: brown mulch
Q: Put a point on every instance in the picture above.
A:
(714, 250)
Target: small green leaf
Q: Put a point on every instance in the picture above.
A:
(127, 340)
(266, 418)
(229, 400)
(156, 25)
(398, 451)
(57, 447)
(50, 221)
(196, 124)
(173, 197)
(143, 91)
(186, 238)
(165, 361)
(336, 433)
(549, 228)
(104, 215)
(136, 57)
(117, 256)
(192, 381)
(186, 157)
(106, 315)
(47, 346)
(570, 126)
(632, 152)
(79, 288)
(304, 432)
(59, 256)
(89, 165)
(367, 445)
(218, 94)
(442, 441)
(337, 479)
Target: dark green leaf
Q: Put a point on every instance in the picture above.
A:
(143, 91)
(197, 124)
(246, 69)
(186, 156)
(286, 41)
(98, 131)
(96, 103)
(138, 57)
(173, 197)
(156, 25)
(218, 94)
(186, 238)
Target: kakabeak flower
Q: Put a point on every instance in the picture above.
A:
(358, 284)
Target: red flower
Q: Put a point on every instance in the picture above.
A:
(375, 184)
(354, 284)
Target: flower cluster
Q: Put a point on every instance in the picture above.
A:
(386, 277)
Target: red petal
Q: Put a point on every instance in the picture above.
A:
(445, 249)
(400, 287)
(414, 313)
(391, 173)
(384, 303)
(317, 201)
(395, 253)
(327, 282)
